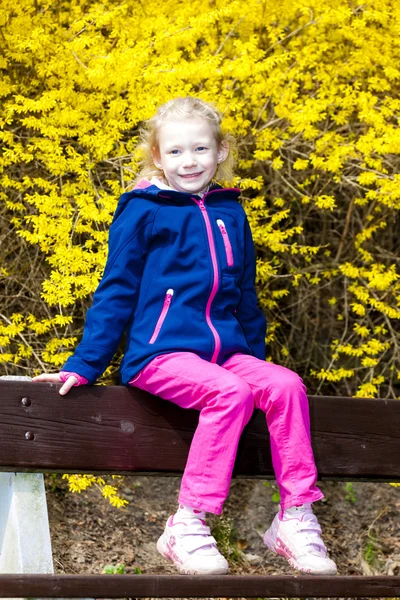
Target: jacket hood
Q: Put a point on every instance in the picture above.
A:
(147, 189)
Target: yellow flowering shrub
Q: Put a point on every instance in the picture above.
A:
(310, 88)
(80, 483)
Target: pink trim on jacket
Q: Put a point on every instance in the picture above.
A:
(64, 375)
(214, 289)
(163, 314)
(227, 242)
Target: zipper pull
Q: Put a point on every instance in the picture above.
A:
(221, 225)
(202, 205)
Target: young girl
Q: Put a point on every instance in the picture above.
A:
(179, 280)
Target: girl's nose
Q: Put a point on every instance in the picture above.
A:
(189, 160)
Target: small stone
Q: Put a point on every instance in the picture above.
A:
(253, 559)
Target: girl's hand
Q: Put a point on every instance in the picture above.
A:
(68, 379)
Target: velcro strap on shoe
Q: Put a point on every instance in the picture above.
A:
(319, 544)
(313, 539)
(194, 542)
(197, 529)
(312, 530)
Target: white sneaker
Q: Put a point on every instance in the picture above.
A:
(188, 544)
(295, 534)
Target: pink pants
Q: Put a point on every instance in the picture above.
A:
(226, 397)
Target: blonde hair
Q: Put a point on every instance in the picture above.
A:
(180, 109)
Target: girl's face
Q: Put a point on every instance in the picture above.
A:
(188, 154)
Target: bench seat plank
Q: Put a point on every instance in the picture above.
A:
(121, 430)
(187, 586)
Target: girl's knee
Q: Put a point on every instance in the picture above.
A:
(286, 387)
(290, 382)
(243, 399)
(235, 396)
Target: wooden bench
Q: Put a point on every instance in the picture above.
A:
(120, 430)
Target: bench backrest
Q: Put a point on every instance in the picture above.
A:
(121, 430)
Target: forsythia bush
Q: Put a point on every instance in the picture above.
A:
(310, 88)
(80, 483)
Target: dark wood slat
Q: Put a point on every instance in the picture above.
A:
(184, 586)
(101, 429)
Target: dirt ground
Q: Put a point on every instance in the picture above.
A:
(360, 523)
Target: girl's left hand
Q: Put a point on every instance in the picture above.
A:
(68, 379)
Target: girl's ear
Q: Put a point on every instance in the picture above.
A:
(156, 158)
(223, 152)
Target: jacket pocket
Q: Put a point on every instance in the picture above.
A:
(163, 314)
(227, 242)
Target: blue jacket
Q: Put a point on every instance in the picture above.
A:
(179, 277)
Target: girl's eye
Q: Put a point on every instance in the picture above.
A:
(201, 148)
(174, 152)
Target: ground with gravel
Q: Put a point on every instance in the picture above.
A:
(360, 521)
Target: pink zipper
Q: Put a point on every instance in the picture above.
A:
(227, 242)
(161, 318)
(214, 289)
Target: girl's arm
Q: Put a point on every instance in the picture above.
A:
(116, 295)
(249, 315)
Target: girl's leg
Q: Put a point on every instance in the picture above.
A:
(281, 394)
(295, 531)
(225, 402)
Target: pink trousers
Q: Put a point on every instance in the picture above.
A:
(226, 397)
